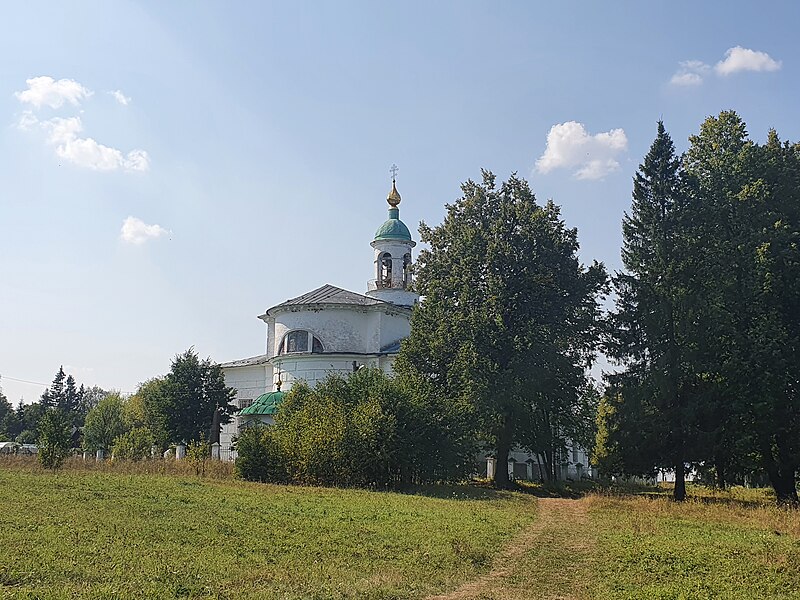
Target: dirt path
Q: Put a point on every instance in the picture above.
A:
(548, 560)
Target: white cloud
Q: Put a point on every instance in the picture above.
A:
(686, 79)
(137, 160)
(136, 231)
(26, 120)
(46, 91)
(569, 145)
(743, 59)
(690, 72)
(88, 153)
(62, 133)
(120, 97)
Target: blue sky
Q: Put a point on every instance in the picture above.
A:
(171, 169)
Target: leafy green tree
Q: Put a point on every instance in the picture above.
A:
(147, 408)
(90, 397)
(104, 423)
(510, 319)
(28, 416)
(184, 403)
(773, 415)
(8, 419)
(745, 226)
(629, 439)
(55, 438)
(134, 444)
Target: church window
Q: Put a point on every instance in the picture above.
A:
(297, 341)
(300, 341)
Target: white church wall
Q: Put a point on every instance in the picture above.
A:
(339, 330)
(271, 347)
(386, 363)
(313, 368)
(574, 464)
(393, 327)
(249, 382)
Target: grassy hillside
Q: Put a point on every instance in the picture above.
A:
(102, 534)
(99, 535)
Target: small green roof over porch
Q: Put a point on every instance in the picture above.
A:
(266, 405)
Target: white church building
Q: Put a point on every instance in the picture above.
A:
(329, 330)
(332, 330)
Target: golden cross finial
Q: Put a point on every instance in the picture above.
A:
(393, 170)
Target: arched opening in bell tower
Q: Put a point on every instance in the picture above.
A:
(385, 270)
(406, 270)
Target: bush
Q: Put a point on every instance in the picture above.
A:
(55, 439)
(133, 445)
(258, 458)
(197, 454)
(367, 429)
(27, 436)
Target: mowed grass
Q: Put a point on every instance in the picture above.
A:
(111, 535)
(714, 546)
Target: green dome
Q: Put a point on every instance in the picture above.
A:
(265, 404)
(393, 228)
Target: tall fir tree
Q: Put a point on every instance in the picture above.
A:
(53, 396)
(185, 402)
(650, 325)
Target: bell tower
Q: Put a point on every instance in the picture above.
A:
(392, 266)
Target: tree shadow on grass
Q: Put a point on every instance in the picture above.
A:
(472, 490)
(713, 500)
(558, 489)
(482, 489)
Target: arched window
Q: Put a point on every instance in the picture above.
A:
(385, 270)
(297, 341)
(300, 341)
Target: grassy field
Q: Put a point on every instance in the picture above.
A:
(101, 534)
(726, 548)
(106, 535)
(610, 547)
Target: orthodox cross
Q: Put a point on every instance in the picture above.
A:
(393, 170)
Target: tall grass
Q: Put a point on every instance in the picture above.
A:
(735, 544)
(212, 469)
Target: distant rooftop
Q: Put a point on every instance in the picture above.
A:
(330, 294)
(247, 362)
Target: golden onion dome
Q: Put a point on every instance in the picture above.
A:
(394, 196)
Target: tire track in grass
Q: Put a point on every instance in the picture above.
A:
(550, 560)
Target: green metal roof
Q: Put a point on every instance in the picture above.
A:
(265, 404)
(393, 228)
